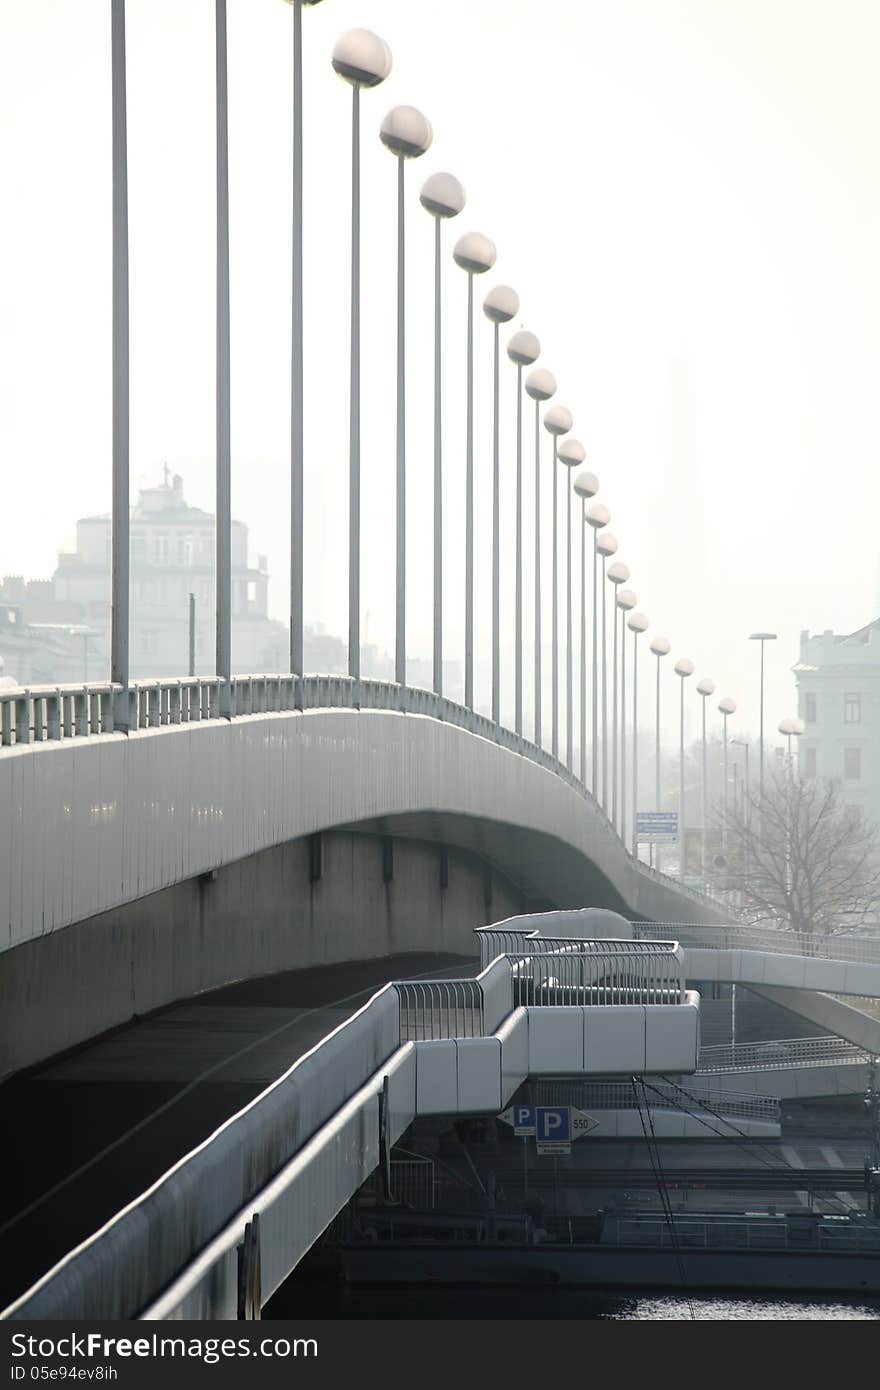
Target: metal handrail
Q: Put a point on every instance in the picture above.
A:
(779, 1054)
(776, 940)
(34, 714)
(618, 1095)
(562, 970)
(433, 1009)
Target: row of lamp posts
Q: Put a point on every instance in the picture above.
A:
(363, 60)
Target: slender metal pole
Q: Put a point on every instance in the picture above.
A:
(438, 471)
(681, 833)
(354, 427)
(518, 716)
(400, 635)
(761, 734)
(569, 694)
(703, 798)
(604, 686)
(296, 395)
(119, 668)
(655, 851)
(496, 537)
(192, 634)
(469, 509)
(538, 717)
(622, 782)
(223, 528)
(635, 762)
(555, 607)
(724, 795)
(594, 751)
(614, 764)
(583, 653)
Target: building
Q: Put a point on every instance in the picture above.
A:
(838, 682)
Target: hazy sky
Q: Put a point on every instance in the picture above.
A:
(685, 193)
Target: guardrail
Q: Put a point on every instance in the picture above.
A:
(619, 1095)
(781, 1053)
(779, 941)
(581, 970)
(731, 1234)
(440, 1009)
(37, 714)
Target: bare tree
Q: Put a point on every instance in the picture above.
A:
(802, 855)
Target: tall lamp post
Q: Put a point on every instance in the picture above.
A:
(119, 531)
(791, 728)
(747, 808)
(637, 624)
(296, 356)
(407, 134)
(500, 306)
(559, 421)
(443, 197)
(223, 523)
(362, 59)
(705, 688)
(540, 385)
(597, 517)
(684, 667)
(618, 573)
(761, 637)
(586, 485)
(523, 349)
(475, 254)
(626, 601)
(607, 546)
(660, 647)
(726, 707)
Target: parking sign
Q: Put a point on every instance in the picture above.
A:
(553, 1129)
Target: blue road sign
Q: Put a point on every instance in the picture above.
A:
(521, 1117)
(553, 1129)
(656, 826)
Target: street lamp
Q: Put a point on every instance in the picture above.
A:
(607, 546)
(500, 306)
(597, 517)
(637, 624)
(558, 421)
(443, 197)
(618, 573)
(705, 688)
(626, 601)
(362, 59)
(684, 667)
(660, 646)
(726, 707)
(296, 356)
(119, 530)
(761, 637)
(540, 385)
(475, 254)
(586, 485)
(791, 728)
(523, 349)
(407, 134)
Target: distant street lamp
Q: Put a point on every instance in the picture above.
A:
(296, 356)
(407, 134)
(523, 349)
(761, 637)
(705, 688)
(607, 546)
(558, 421)
(586, 485)
(618, 573)
(684, 667)
(626, 601)
(726, 707)
(637, 624)
(791, 728)
(362, 59)
(540, 385)
(500, 306)
(475, 254)
(597, 517)
(119, 530)
(443, 197)
(223, 523)
(660, 646)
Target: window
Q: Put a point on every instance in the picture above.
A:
(810, 708)
(852, 764)
(810, 762)
(852, 709)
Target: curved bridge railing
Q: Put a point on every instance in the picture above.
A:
(39, 714)
(862, 950)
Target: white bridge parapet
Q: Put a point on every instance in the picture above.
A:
(298, 1152)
